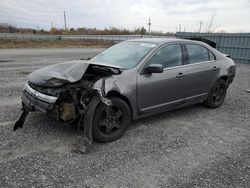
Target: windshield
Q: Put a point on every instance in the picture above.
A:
(124, 54)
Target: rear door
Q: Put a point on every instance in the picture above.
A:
(161, 91)
(202, 71)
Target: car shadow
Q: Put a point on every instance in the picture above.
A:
(42, 132)
(169, 114)
(52, 125)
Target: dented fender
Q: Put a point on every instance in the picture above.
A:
(118, 84)
(105, 85)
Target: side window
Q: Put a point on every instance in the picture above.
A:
(211, 56)
(168, 56)
(197, 53)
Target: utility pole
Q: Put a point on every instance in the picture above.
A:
(200, 26)
(64, 14)
(180, 28)
(149, 25)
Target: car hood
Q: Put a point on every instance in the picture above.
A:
(66, 72)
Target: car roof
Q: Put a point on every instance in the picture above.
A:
(163, 40)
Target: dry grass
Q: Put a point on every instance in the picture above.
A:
(54, 44)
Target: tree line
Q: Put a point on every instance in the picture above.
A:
(7, 28)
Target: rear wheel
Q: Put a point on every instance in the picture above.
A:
(111, 122)
(217, 94)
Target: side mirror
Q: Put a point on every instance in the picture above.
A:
(154, 68)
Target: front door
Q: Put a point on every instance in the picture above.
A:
(161, 91)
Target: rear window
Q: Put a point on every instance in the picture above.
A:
(197, 53)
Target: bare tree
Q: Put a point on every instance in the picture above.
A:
(210, 27)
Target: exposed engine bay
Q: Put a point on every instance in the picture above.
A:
(72, 99)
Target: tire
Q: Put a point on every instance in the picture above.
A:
(217, 94)
(110, 123)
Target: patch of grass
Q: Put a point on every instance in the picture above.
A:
(4, 43)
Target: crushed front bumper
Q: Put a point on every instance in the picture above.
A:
(36, 101)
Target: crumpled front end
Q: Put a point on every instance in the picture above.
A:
(63, 104)
(66, 95)
(62, 94)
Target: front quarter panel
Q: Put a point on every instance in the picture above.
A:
(124, 84)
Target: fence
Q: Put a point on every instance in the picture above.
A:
(237, 45)
(113, 38)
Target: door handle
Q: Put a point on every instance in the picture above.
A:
(215, 68)
(180, 75)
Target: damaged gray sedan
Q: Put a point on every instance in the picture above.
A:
(130, 80)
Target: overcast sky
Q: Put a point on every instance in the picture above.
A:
(166, 15)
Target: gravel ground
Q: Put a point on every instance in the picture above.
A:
(190, 147)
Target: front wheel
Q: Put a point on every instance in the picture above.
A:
(111, 122)
(217, 94)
